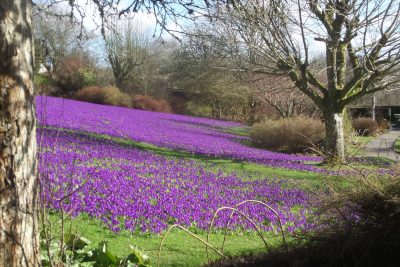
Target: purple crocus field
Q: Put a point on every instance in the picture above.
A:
(139, 191)
(196, 135)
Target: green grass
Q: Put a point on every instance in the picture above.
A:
(356, 147)
(396, 146)
(242, 167)
(303, 179)
(238, 130)
(179, 248)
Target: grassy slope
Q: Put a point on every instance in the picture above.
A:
(227, 165)
(179, 248)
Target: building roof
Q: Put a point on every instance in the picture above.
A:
(384, 98)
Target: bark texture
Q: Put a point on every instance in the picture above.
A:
(334, 135)
(19, 244)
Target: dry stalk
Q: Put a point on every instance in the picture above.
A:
(243, 215)
(191, 234)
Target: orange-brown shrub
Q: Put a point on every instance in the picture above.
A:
(149, 103)
(365, 126)
(92, 94)
(107, 96)
(294, 134)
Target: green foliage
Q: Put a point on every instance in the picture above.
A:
(88, 76)
(74, 72)
(397, 146)
(43, 84)
(78, 252)
(40, 80)
(179, 249)
(198, 109)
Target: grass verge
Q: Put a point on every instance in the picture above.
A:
(179, 248)
(355, 148)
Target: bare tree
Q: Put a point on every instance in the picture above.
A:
(127, 47)
(55, 37)
(360, 40)
(280, 93)
(195, 69)
(19, 244)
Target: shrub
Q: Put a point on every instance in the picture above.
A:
(149, 103)
(359, 226)
(92, 94)
(290, 134)
(196, 109)
(384, 125)
(177, 104)
(365, 126)
(43, 85)
(73, 73)
(114, 97)
(107, 96)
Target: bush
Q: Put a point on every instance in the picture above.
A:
(384, 125)
(196, 109)
(43, 85)
(291, 134)
(149, 103)
(365, 126)
(177, 104)
(92, 94)
(106, 96)
(360, 226)
(114, 97)
(73, 73)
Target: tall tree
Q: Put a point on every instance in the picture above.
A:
(360, 40)
(127, 49)
(19, 244)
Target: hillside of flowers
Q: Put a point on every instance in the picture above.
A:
(139, 191)
(196, 135)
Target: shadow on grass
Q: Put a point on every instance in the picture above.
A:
(212, 162)
(373, 239)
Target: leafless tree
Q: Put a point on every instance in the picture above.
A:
(19, 244)
(55, 37)
(360, 40)
(127, 46)
(280, 93)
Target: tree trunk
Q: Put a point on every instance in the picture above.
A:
(19, 244)
(334, 142)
